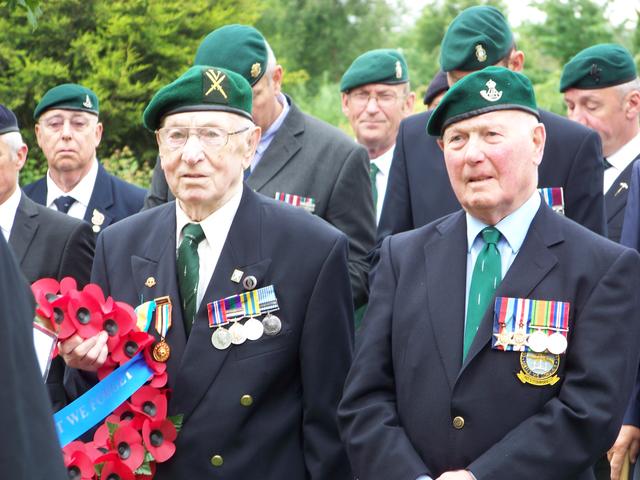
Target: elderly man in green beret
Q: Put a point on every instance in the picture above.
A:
(299, 159)
(484, 353)
(419, 191)
(259, 393)
(376, 96)
(69, 131)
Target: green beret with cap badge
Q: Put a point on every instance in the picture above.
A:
(201, 88)
(68, 96)
(599, 66)
(477, 38)
(384, 65)
(484, 91)
(240, 48)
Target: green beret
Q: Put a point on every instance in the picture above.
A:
(484, 91)
(600, 66)
(68, 96)
(478, 37)
(240, 48)
(376, 66)
(201, 88)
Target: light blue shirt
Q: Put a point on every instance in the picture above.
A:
(267, 136)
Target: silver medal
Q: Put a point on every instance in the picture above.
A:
(253, 329)
(557, 343)
(537, 342)
(238, 335)
(272, 324)
(221, 338)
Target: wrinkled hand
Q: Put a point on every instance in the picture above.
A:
(89, 354)
(456, 475)
(628, 441)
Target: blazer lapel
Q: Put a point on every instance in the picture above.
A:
(446, 283)
(533, 262)
(201, 362)
(283, 147)
(101, 200)
(616, 197)
(25, 225)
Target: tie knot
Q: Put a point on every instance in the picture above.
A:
(373, 169)
(63, 203)
(606, 164)
(491, 235)
(194, 232)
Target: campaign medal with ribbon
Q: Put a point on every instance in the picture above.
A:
(554, 197)
(217, 312)
(161, 350)
(307, 203)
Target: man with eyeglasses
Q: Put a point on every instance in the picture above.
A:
(69, 131)
(376, 96)
(258, 392)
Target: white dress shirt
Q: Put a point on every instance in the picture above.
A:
(619, 161)
(216, 228)
(81, 192)
(383, 162)
(8, 212)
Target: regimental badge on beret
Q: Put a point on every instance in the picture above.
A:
(491, 94)
(385, 65)
(87, 102)
(599, 66)
(481, 53)
(212, 85)
(255, 70)
(68, 96)
(398, 69)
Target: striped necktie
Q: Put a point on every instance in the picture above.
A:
(188, 266)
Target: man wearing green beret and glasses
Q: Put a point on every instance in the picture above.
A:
(419, 191)
(502, 366)
(258, 392)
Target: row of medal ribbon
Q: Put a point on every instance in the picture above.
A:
(527, 325)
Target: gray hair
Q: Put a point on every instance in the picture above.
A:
(625, 88)
(271, 61)
(14, 141)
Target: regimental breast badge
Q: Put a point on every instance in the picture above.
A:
(255, 70)
(539, 368)
(398, 70)
(481, 53)
(215, 77)
(87, 102)
(491, 94)
(97, 219)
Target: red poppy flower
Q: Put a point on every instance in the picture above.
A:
(128, 444)
(114, 468)
(159, 380)
(68, 284)
(157, 367)
(86, 313)
(101, 440)
(158, 437)
(151, 402)
(130, 344)
(125, 414)
(78, 461)
(43, 290)
(118, 320)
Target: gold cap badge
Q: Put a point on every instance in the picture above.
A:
(255, 70)
(216, 77)
(481, 53)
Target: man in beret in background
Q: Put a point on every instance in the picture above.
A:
(68, 132)
(46, 243)
(299, 159)
(504, 368)
(376, 96)
(602, 91)
(436, 90)
(419, 191)
(259, 399)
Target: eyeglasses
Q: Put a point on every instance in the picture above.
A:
(213, 137)
(56, 123)
(384, 99)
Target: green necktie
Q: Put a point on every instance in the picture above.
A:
(373, 173)
(188, 266)
(487, 275)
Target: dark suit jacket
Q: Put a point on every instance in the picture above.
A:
(408, 381)
(30, 447)
(419, 190)
(615, 201)
(112, 197)
(310, 158)
(295, 378)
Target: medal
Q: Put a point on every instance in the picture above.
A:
(272, 324)
(519, 340)
(557, 343)
(238, 334)
(537, 341)
(253, 329)
(161, 351)
(221, 338)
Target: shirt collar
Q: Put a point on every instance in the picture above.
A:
(267, 136)
(626, 154)
(383, 162)
(513, 227)
(218, 223)
(81, 192)
(8, 212)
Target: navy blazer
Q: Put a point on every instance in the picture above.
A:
(419, 190)
(112, 197)
(408, 381)
(295, 378)
(615, 202)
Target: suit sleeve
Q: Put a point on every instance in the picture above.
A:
(584, 201)
(326, 350)
(377, 445)
(158, 192)
(350, 210)
(631, 226)
(77, 256)
(572, 429)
